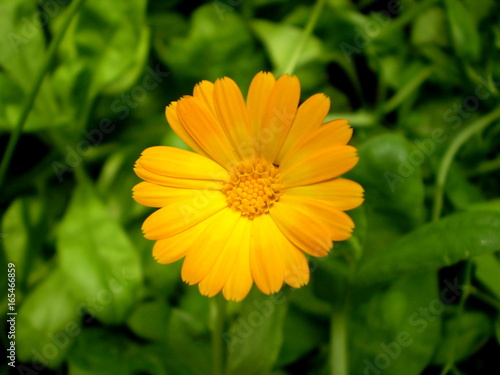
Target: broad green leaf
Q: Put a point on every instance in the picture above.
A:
(442, 243)
(429, 27)
(22, 234)
(462, 336)
(48, 321)
(394, 331)
(466, 38)
(389, 171)
(212, 48)
(260, 325)
(102, 266)
(149, 320)
(280, 41)
(99, 351)
(488, 272)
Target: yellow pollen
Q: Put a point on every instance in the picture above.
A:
(253, 187)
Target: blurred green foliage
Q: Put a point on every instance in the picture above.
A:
(420, 295)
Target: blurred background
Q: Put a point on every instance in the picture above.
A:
(415, 78)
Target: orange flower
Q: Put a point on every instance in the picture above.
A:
(260, 190)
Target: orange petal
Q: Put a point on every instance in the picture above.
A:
(303, 229)
(233, 115)
(223, 267)
(267, 252)
(296, 267)
(152, 195)
(178, 128)
(278, 116)
(310, 115)
(258, 95)
(206, 131)
(203, 255)
(181, 215)
(340, 193)
(322, 165)
(204, 91)
(337, 132)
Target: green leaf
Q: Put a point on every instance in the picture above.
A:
(395, 330)
(48, 321)
(213, 48)
(260, 325)
(100, 351)
(434, 245)
(488, 272)
(466, 38)
(149, 320)
(389, 171)
(463, 335)
(22, 233)
(102, 266)
(280, 41)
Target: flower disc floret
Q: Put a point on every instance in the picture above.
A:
(253, 188)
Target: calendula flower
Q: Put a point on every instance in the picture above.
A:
(260, 190)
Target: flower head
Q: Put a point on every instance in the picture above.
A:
(260, 190)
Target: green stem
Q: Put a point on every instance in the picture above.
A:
(217, 335)
(493, 302)
(305, 35)
(28, 105)
(450, 153)
(338, 340)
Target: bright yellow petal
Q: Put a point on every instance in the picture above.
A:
(278, 116)
(341, 193)
(307, 232)
(258, 95)
(239, 281)
(296, 268)
(337, 132)
(184, 183)
(206, 131)
(179, 163)
(181, 215)
(178, 128)
(219, 274)
(204, 90)
(203, 255)
(308, 119)
(152, 195)
(320, 166)
(267, 254)
(339, 224)
(176, 247)
(233, 115)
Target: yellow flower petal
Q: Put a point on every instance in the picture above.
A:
(314, 237)
(296, 268)
(152, 195)
(178, 128)
(323, 165)
(206, 131)
(258, 94)
(218, 276)
(203, 255)
(233, 115)
(268, 248)
(308, 119)
(179, 216)
(175, 162)
(341, 193)
(278, 116)
(204, 91)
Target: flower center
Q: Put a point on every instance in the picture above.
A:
(253, 187)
